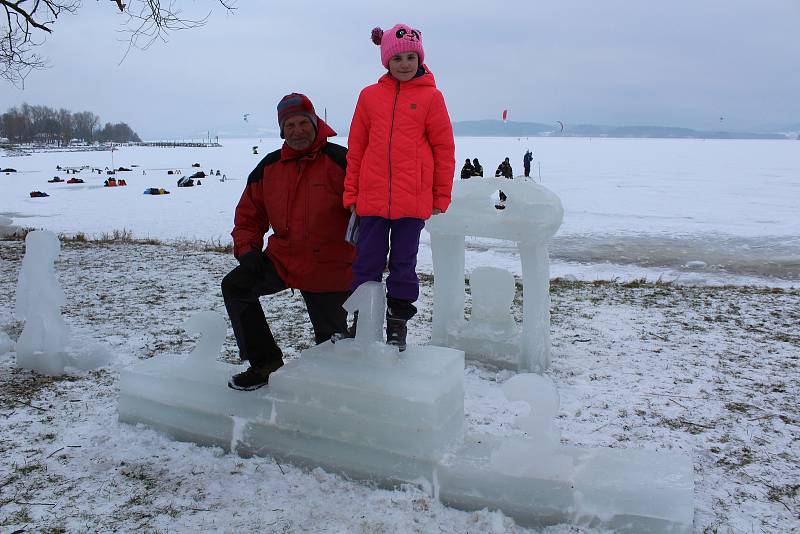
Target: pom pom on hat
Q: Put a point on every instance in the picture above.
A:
(376, 35)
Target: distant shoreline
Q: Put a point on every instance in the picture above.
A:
(784, 138)
(496, 128)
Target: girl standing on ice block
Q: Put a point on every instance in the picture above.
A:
(400, 165)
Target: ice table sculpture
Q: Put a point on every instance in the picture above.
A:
(363, 409)
(531, 216)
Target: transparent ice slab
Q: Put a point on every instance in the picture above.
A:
(627, 490)
(180, 381)
(421, 386)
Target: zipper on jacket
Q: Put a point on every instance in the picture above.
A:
(391, 132)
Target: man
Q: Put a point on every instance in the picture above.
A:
(478, 167)
(467, 171)
(297, 191)
(504, 170)
(526, 162)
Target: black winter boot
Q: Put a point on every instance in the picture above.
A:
(349, 333)
(254, 377)
(396, 332)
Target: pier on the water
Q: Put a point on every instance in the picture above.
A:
(175, 144)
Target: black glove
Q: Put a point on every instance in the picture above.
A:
(253, 261)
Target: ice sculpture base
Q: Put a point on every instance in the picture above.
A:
(626, 490)
(501, 353)
(370, 413)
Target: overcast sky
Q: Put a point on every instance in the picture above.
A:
(672, 63)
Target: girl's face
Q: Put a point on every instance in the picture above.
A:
(404, 66)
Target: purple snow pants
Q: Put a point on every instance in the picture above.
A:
(399, 238)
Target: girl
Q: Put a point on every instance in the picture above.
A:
(400, 165)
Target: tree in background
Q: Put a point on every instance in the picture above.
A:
(120, 133)
(25, 24)
(84, 124)
(65, 125)
(26, 124)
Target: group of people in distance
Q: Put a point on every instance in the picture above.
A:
(473, 168)
(308, 190)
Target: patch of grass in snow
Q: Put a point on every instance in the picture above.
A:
(18, 235)
(29, 468)
(139, 473)
(19, 387)
(17, 517)
(786, 491)
(215, 245)
(13, 329)
(125, 236)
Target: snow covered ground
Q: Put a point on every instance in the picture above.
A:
(700, 211)
(695, 365)
(710, 371)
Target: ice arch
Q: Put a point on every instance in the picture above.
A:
(531, 216)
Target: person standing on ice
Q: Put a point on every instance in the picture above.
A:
(400, 168)
(526, 162)
(297, 192)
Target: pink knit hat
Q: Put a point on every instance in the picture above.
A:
(400, 38)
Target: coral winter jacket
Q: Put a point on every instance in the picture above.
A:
(401, 152)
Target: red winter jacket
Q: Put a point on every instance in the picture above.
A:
(299, 196)
(401, 152)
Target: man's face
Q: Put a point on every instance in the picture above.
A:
(298, 132)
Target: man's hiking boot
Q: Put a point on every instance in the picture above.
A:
(349, 333)
(396, 332)
(253, 378)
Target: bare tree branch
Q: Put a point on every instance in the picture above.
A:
(26, 24)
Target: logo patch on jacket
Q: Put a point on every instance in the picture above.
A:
(413, 106)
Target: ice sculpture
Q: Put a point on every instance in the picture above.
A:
(212, 329)
(359, 407)
(540, 482)
(43, 345)
(530, 217)
(363, 409)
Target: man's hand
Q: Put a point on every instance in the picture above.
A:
(253, 261)
(436, 211)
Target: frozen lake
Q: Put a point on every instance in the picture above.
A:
(699, 211)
